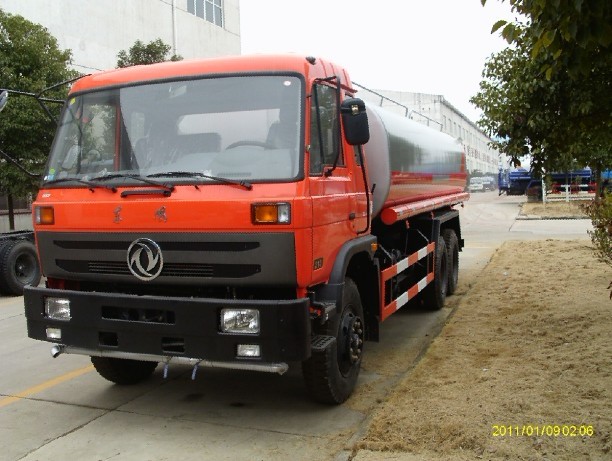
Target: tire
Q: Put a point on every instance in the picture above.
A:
(434, 294)
(331, 376)
(123, 371)
(18, 267)
(452, 252)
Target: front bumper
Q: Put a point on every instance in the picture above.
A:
(157, 326)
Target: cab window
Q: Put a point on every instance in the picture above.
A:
(324, 137)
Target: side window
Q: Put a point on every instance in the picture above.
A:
(324, 140)
(355, 148)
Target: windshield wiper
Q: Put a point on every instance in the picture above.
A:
(107, 177)
(91, 184)
(196, 174)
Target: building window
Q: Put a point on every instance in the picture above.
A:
(211, 10)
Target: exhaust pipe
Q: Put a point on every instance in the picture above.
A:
(57, 350)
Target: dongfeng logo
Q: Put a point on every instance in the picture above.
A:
(145, 259)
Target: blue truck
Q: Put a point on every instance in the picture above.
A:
(520, 181)
(513, 182)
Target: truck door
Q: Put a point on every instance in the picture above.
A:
(335, 197)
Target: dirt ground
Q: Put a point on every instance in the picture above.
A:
(521, 371)
(554, 209)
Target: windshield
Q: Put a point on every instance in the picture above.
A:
(239, 128)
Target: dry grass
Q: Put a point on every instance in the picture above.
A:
(529, 344)
(555, 209)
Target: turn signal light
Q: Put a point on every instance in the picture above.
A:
(271, 213)
(44, 215)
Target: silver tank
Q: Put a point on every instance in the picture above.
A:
(408, 161)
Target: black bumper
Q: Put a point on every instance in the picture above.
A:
(171, 326)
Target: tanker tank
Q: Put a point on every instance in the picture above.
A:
(409, 162)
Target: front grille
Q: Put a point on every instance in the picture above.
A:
(91, 245)
(129, 314)
(190, 259)
(169, 270)
(96, 267)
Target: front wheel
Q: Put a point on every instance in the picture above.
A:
(123, 371)
(331, 375)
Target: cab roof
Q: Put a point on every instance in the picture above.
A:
(307, 66)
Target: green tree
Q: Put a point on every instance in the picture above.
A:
(600, 213)
(575, 32)
(30, 61)
(548, 94)
(140, 53)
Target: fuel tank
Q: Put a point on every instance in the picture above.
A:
(409, 162)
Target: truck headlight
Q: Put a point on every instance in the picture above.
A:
(57, 308)
(245, 321)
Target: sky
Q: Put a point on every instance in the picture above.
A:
(422, 46)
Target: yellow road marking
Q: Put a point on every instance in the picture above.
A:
(46, 385)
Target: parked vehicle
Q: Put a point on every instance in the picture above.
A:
(476, 184)
(520, 182)
(18, 261)
(243, 213)
(488, 183)
(533, 190)
(503, 183)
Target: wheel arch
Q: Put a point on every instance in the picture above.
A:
(449, 219)
(355, 260)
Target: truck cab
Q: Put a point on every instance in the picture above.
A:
(225, 186)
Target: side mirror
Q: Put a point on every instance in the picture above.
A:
(3, 99)
(355, 121)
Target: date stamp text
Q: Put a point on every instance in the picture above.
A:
(542, 430)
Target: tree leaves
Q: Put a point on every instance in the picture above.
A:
(31, 61)
(549, 94)
(140, 53)
(498, 24)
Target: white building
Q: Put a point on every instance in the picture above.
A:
(436, 112)
(95, 31)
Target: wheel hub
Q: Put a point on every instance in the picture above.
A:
(24, 268)
(351, 347)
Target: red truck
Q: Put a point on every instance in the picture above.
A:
(239, 212)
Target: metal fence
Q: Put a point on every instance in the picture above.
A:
(567, 192)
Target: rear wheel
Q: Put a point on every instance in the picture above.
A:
(434, 294)
(331, 375)
(18, 267)
(123, 371)
(452, 251)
